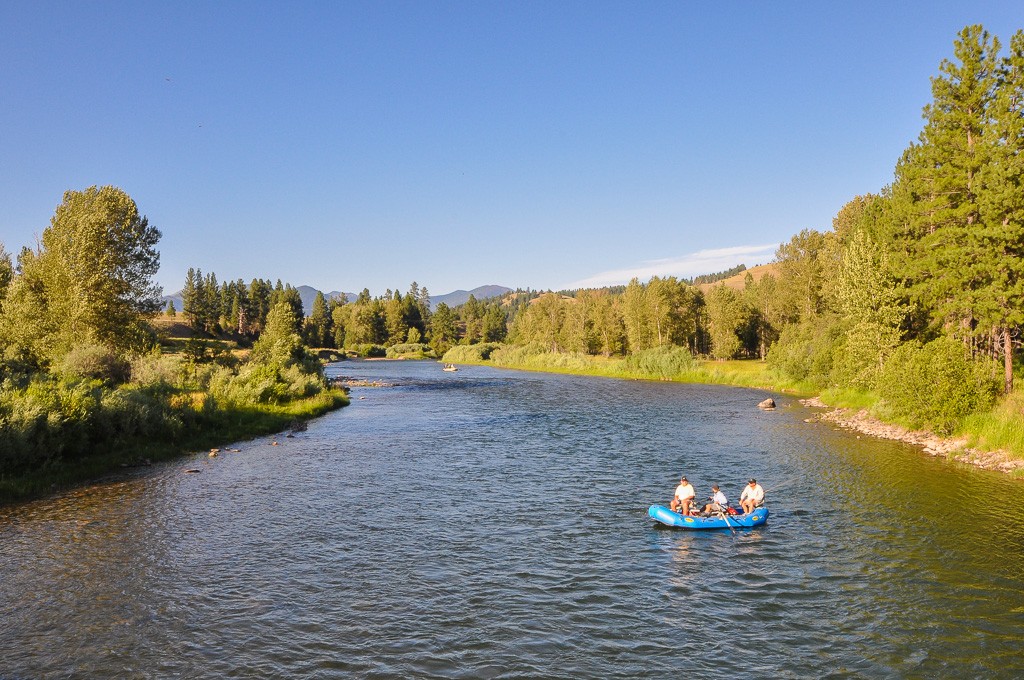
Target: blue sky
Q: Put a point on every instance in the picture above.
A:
(346, 145)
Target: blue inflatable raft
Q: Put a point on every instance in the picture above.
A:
(662, 514)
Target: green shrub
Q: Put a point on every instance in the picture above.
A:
(410, 350)
(517, 355)
(59, 418)
(467, 354)
(128, 413)
(93, 361)
(805, 351)
(156, 370)
(370, 351)
(667, 361)
(935, 385)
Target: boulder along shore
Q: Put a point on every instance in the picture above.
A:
(954, 448)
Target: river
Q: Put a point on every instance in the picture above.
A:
(489, 523)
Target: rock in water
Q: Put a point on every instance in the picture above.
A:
(767, 405)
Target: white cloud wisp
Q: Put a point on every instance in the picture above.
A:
(684, 266)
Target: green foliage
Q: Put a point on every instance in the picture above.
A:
(96, 362)
(6, 272)
(443, 329)
(410, 350)
(1001, 428)
(470, 354)
(662, 362)
(279, 343)
(935, 385)
(264, 383)
(90, 280)
(801, 266)
(805, 351)
(860, 353)
(58, 419)
(318, 332)
(156, 371)
(726, 317)
(370, 351)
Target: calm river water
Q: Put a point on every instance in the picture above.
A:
(487, 524)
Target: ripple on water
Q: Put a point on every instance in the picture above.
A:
(493, 524)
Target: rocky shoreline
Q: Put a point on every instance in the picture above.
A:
(932, 444)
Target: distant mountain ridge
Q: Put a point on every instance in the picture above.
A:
(307, 294)
(458, 297)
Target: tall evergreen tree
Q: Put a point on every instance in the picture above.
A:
(189, 297)
(395, 319)
(318, 325)
(939, 182)
(443, 331)
(999, 291)
(6, 272)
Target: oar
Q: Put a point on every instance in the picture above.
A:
(722, 514)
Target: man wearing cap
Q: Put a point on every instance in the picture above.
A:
(752, 496)
(683, 498)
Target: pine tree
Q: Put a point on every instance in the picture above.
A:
(6, 272)
(998, 291)
(318, 325)
(189, 300)
(443, 330)
(938, 181)
(394, 319)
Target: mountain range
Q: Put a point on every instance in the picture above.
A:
(308, 294)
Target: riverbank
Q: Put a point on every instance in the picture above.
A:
(954, 448)
(213, 428)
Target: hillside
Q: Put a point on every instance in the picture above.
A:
(458, 297)
(736, 282)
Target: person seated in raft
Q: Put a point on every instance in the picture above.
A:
(718, 501)
(683, 498)
(752, 496)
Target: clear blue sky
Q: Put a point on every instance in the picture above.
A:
(346, 145)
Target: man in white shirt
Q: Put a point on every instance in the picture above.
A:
(683, 497)
(752, 496)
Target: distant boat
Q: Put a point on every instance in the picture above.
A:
(449, 367)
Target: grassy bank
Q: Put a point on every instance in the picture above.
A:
(211, 427)
(663, 364)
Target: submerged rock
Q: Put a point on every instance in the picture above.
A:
(767, 405)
